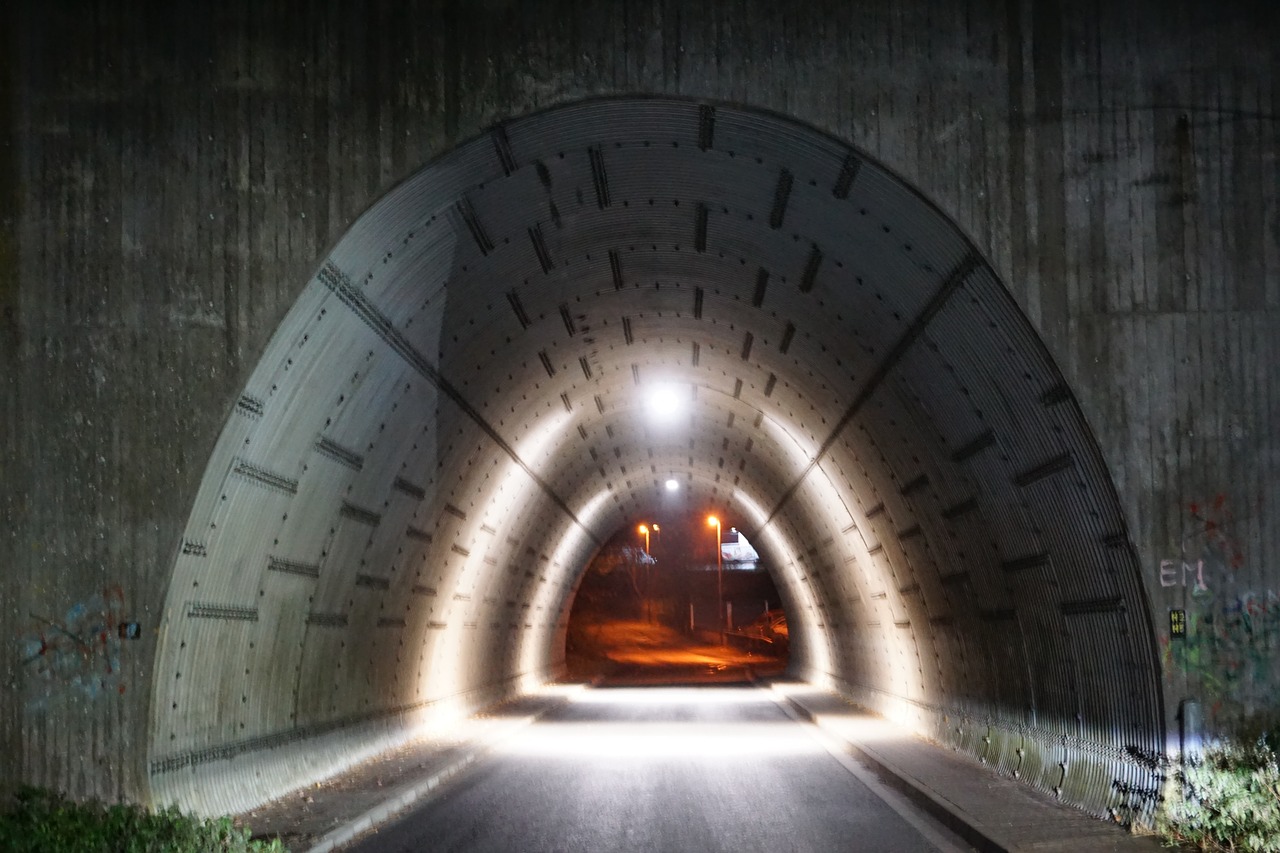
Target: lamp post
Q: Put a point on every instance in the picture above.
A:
(715, 522)
(648, 579)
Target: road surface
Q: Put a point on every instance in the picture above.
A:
(711, 768)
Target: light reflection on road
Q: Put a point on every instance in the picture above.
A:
(664, 696)
(663, 741)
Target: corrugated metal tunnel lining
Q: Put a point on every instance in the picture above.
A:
(452, 419)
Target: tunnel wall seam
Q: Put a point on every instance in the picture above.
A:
(341, 285)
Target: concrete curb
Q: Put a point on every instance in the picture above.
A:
(398, 803)
(907, 785)
(401, 799)
(983, 837)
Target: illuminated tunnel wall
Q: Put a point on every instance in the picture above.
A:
(452, 419)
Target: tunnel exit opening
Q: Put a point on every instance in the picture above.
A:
(658, 605)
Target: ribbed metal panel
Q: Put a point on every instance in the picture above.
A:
(912, 461)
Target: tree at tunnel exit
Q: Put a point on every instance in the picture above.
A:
(621, 573)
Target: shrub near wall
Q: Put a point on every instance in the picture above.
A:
(1230, 798)
(36, 821)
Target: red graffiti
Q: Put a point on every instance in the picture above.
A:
(79, 652)
(1213, 523)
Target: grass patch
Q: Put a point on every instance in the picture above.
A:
(1229, 799)
(36, 819)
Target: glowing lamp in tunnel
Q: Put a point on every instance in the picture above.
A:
(664, 403)
(672, 484)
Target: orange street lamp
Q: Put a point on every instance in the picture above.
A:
(715, 522)
(648, 578)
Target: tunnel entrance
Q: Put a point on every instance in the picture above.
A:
(658, 606)
(518, 349)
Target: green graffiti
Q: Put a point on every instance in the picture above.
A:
(1231, 646)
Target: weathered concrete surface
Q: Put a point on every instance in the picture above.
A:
(10, 723)
(175, 178)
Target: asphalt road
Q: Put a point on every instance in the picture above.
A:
(713, 768)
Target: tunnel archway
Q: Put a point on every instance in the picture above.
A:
(450, 421)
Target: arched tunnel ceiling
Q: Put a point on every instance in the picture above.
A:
(453, 418)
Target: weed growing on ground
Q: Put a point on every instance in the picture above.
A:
(1229, 799)
(40, 820)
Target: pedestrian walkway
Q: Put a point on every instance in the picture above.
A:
(989, 811)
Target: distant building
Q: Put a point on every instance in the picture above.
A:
(736, 554)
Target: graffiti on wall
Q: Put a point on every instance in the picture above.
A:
(1208, 548)
(1231, 649)
(1182, 573)
(77, 654)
